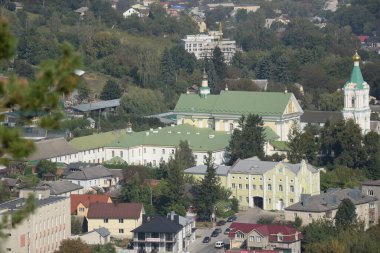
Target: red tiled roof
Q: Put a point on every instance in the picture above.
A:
(86, 199)
(362, 38)
(243, 227)
(114, 210)
(272, 231)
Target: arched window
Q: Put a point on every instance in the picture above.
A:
(269, 187)
(291, 188)
(370, 192)
(280, 187)
(353, 101)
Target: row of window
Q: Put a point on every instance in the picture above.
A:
(121, 153)
(105, 220)
(261, 179)
(280, 187)
(269, 200)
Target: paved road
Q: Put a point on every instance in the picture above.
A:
(249, 216)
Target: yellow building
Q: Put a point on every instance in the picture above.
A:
(120, 219)
(265, 184)
(222, 112)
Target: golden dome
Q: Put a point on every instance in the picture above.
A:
(356, 57)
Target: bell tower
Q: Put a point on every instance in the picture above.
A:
(356, 97)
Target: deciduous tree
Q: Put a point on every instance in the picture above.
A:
(111, 90)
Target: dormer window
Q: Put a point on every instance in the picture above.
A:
(280, 237)
(240, 235)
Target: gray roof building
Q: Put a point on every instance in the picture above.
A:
(320, 117)
(100, 105)
(20, 202)
(88, 173)
(59, 187)
(221, 170)
(330, 200)
(46, 149)
(257, 167)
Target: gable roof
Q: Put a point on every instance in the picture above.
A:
(97, 105)
(289, 234)
(86, 199)
(51, 148)
(372, 183)
(235, 103)
(114, 211)
(59, 187)
(88, 173)
(330, 200)
(159, 224)
(255, 166)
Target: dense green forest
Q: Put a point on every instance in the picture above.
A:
(144, 55)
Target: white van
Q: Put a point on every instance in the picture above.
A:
(219, 244)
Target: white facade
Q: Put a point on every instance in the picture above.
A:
(131, 12)
(356, 98)
(202, 45)
(139, 155)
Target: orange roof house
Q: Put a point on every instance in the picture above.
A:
(81, 202)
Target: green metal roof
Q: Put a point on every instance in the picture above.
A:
(280, 145)
(200, 139)
(356, 78)
(95, 140)
(236, 103)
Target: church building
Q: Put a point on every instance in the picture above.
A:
(356, 103)
(356, 98)
(222, 112)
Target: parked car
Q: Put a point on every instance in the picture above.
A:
(219, 244)
(227, 231)
(231, 218)
(207, 239)
(219, 230)
(221, 223)
(215, 233)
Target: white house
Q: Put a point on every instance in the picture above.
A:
(130, 12)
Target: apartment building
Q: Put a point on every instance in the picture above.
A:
(42, 231)
(203, 45)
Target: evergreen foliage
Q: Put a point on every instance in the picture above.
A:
(346, 214)
(111, 90)
(249, 141)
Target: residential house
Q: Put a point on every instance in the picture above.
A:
(119, 218)
(279, 238)
(372, 188)
(95, 237)
(81, 202)
(61, 187)
(93, 178)
(267, 185)
(44, 229)
(222, 112)
(11, 183)
(131, 12)
(164, 234)
(325, 206)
